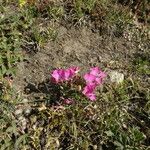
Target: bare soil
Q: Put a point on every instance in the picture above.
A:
(76, 46)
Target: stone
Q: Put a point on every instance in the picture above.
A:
(116, 77)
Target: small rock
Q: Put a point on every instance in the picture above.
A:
(116, 77)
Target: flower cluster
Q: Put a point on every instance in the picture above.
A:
(92, 79)
(61, 75)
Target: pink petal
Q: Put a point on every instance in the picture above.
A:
(89, 78)
(61, 73)
(95, 71)
(68, 74)
(74, 70)
(55, 75)
(89, 89)
(91, 96)
(88, 92)
(58, 75)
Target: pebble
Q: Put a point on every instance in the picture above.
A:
(116, 77)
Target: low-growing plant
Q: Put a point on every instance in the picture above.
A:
(69, 82)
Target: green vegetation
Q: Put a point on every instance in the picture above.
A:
(119, 119)
(142, 64)
(113, 121)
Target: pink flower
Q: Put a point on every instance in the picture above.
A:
(68, 74)
(57, 75)
(71, 72)
(95, 76)
(95, 71)
(75, 70)
(89, 78)
(60, 75)
(88, 91)
(91, 96)
(93, 79)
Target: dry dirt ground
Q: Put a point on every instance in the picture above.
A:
(79, 46)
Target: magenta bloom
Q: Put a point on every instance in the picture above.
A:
(95, 71)
(74, 69)
(88, 91)
(61, 75)
(70, 73)
(57, 75)
(95, 76)
(89, 78)
(93, 79)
